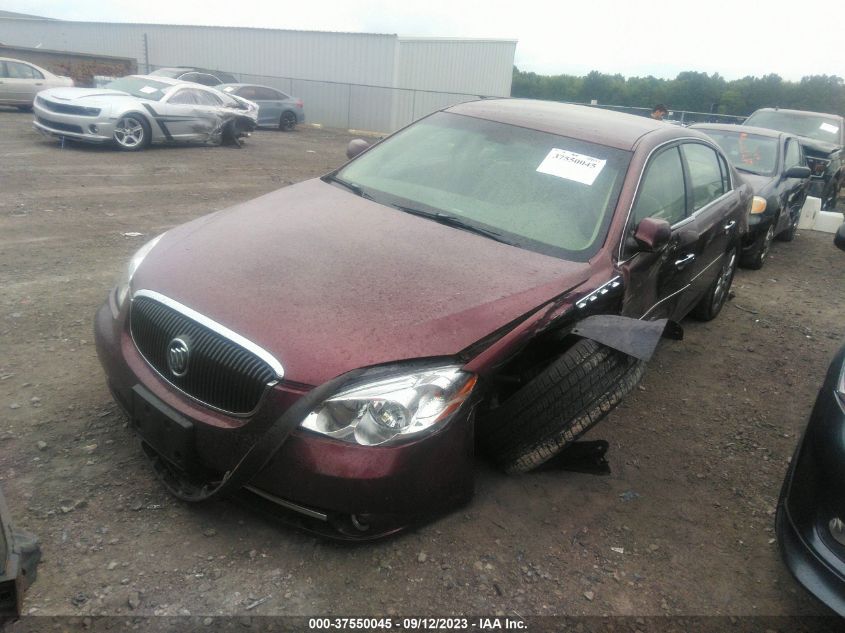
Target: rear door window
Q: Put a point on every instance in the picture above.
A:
(16, 70)
(705, 174)
(266, 94)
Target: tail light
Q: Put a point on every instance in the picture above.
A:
(299, 103)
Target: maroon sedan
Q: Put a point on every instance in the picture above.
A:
(335, 348)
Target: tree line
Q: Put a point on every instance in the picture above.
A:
(696, 91)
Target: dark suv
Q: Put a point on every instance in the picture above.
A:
(823, 138)
(496, 272)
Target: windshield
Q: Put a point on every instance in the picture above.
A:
(748, 152)
(820, 128)
(139, 87)
(539, 191)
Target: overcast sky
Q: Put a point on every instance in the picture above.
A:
(613, 36)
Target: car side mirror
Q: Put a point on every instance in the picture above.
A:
(839, 238)
(355, 147)
(798, 171)
(652, 234)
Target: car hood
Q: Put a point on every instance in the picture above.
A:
(82, 94)
(761, 185)
(328, 281)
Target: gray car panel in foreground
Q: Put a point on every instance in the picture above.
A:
(134, 111)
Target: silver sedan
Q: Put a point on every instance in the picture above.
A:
(20, 81)
(134, 111)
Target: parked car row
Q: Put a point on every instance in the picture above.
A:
(169, 105)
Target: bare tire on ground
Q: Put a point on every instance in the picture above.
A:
(131, 133)
(557, 406)
(711, 303)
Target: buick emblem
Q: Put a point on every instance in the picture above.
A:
(178, 355)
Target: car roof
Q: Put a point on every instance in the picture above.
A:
(798, 112)
(173, 82)
(605, 127)
(245, 85)
(742, 129)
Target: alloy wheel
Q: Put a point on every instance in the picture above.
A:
(723, 283)
(129, 132)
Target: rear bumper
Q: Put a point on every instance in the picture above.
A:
(323, 476)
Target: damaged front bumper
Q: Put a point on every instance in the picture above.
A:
(324, 485)
(19, 556)
(811, 511)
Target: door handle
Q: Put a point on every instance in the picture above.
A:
(39, 83)
(682, 263)
(730, 225)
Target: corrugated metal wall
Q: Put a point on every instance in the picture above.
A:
(345, 79)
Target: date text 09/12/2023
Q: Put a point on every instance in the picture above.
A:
(418, 624)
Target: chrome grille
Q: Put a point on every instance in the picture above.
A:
(66, 108)
(220, 372)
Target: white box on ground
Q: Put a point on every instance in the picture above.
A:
(812, 207)
(828, 221)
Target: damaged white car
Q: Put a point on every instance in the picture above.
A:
(133, 112)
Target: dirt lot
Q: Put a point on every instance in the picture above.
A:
(697, 453)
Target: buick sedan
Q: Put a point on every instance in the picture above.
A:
(495, 273)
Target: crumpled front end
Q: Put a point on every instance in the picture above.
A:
(327, 485)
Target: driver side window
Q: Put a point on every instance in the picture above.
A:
(662, 193)
(186, 96)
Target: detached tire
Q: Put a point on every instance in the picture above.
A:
(559, 405)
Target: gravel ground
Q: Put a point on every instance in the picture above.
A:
(682, 525)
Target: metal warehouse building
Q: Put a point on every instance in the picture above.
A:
(348, 80)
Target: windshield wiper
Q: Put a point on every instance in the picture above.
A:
(749, 171)
(451, 220)
(358, 191)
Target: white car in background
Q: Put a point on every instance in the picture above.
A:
(20, 81)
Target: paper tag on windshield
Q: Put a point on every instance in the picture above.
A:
(572, 166)
(827, 127)
(148, 90)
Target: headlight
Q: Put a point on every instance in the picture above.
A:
(758, 205)
(393, 409)
(134, 262)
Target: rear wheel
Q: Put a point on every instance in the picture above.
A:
(558, 405)
(287, 121)
(716, 296)
(131, 133)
